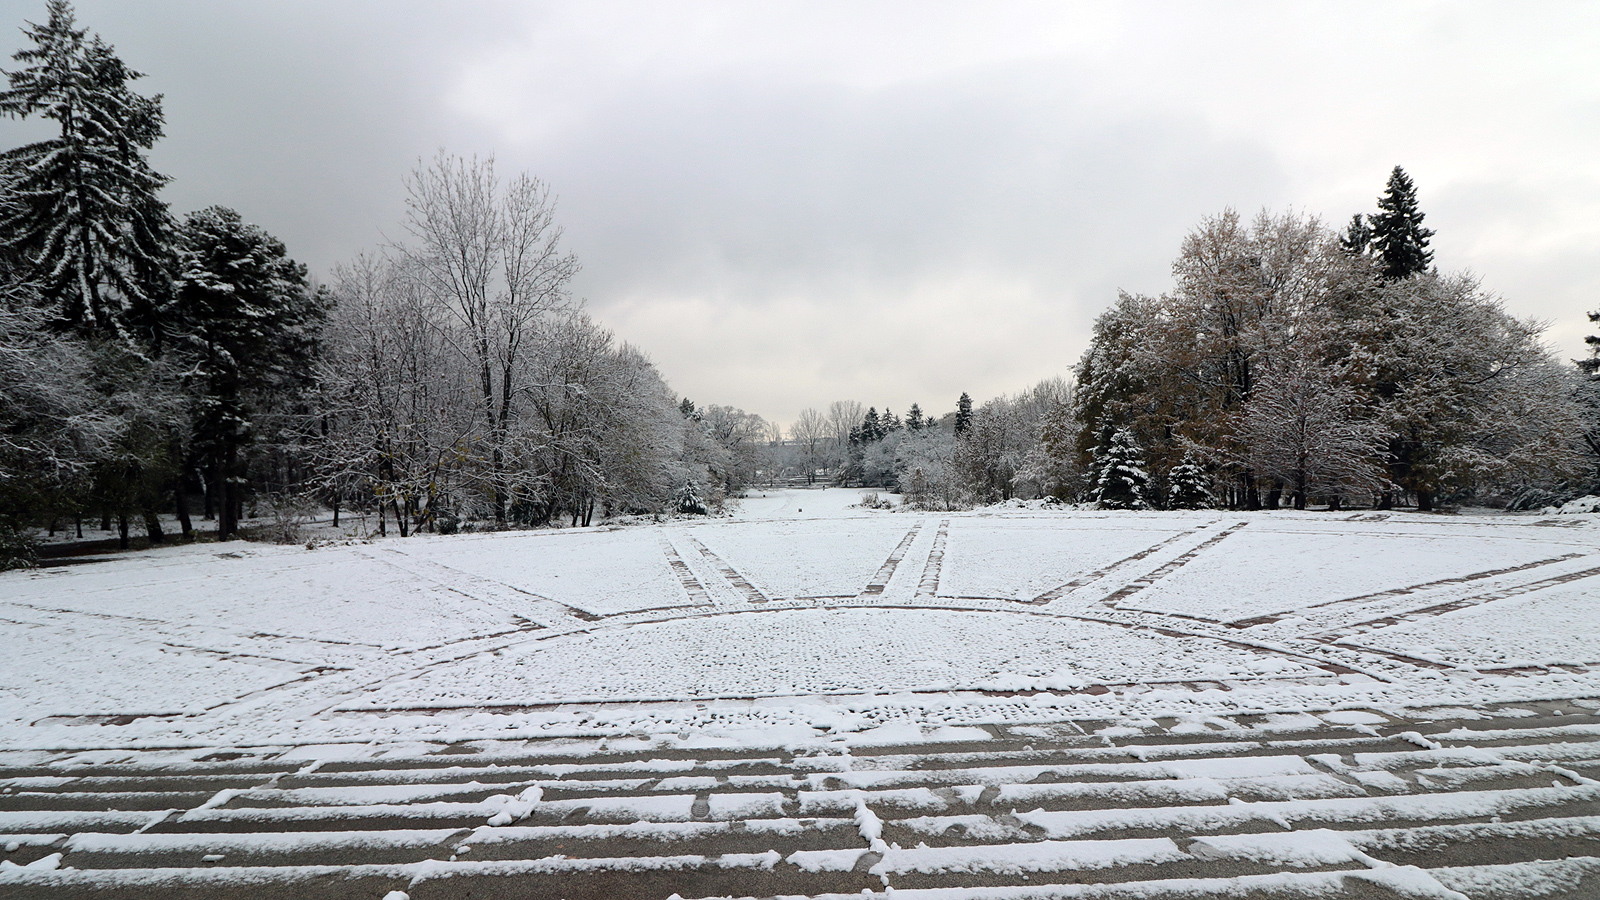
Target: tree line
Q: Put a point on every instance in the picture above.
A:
(1290, 365)
(152, 366)
(155, 367)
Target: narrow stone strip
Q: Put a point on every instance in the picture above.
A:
(1056, 593)
(1400, 592)
(1173, 566)
(730, 574)
(1346, 631)
(929, 585)
(691, 585)
(886, 571)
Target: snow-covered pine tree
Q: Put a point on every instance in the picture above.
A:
(1186, 484)
(1397, 234)
(914, 418)
(871, 428)
(963, 414)
(1120, 479)
(80, 210)
(1357, 237)
(245, 325)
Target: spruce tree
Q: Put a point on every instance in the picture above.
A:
(80, 210)
(871, 428)
(1120, 479)
(1397, 233)
(246, 327)
(914, 419)
(1186, 484)
(963, 414)
(1357, 237)
(1591, 366)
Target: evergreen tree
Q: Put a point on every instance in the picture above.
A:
(1120, 479)
(1186, 484)
(963, 414)
(1397, 234)
(914, 418)
(871, 429)
(1357, 237)
(1591, 366)
(889, 422)
(80, 210)
(246, 327)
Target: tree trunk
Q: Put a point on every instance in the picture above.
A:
(180, 498)
(122, 532)
(1424, 501)
(77, 520)
(335, 510)
(152, 527)
(105, 520)
(1335, 503)
(227, 491)
(400, 520)
(1386, 500)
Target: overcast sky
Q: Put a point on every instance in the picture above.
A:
(787, 204)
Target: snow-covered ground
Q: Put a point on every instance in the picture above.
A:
(801, 614)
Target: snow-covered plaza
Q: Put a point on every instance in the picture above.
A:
(779, 641)
(830, 620)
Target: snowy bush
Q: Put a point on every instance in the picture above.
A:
(873, 501)
(1589, 504)
(285, 515)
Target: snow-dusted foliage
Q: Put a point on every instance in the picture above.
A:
(81, 209)
(1120, 479)
(1187, 484)
(1300, 372)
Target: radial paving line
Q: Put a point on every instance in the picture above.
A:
(1380, 596)
(1347, 631)
(880, 579)
(1140, 584)
(729, 574)
(1085, 580)
(691, 585)
(929, 585)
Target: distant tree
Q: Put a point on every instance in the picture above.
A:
(915, 421)
(80, 209)
(871, 428)
(1187, 484)
(245, 323)
(810, 431)
(963, 414)
(1397, 235)
(686, 408)
(1357, 237)
(1052, 462)
(1120, 479)
(492, 253)
(1591, 366)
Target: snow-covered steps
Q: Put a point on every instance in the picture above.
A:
(1453, 803)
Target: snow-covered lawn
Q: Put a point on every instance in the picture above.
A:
(801, 612)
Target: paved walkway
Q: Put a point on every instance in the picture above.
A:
(1500, 806)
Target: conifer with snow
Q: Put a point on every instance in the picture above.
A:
(1397, 235)
(1120, 478)
(1186, 484)
(81, 209)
